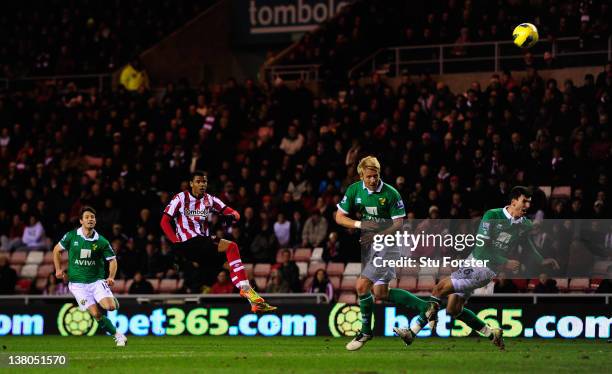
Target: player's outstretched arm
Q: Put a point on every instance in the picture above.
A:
(57, 261)
(166, 227)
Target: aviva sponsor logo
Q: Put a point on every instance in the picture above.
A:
(85, 254)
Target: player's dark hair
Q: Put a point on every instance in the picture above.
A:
(198, 173)
(518, 191)
(87, 209)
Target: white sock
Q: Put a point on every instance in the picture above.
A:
(486, 331)
(416, 328)
(244, 285)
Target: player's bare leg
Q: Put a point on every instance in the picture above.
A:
(105, 324)
(366, 304)
(239, 278)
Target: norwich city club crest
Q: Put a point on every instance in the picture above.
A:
(345, 320)
(382, 201)
(73, 321)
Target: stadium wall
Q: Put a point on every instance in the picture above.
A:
(554, 318)
(199, 51)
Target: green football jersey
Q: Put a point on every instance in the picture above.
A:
(86, 256)
(502, 234)
(383, 204)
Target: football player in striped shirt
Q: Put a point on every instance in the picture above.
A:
(190, 211)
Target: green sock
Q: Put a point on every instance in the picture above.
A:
(405, 298)
(366, 304)
(107, 325)
(473, 321)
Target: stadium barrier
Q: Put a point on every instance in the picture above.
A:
(526, 316)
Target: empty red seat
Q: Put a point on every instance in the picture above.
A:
(18, 258)
(335, 268)
(426, 283)
(315, 266)
(40, 284)
(167, 286)
(261, 270)
(580, 284)
(44, 270)
(155, 284)
(48, 259)
(308, 283)
(261, 282)
(408, 283)
(348, 283)
(335, 281)
(302, 254)
(348, 298)
(562, 284)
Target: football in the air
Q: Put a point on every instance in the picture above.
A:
(525, 35)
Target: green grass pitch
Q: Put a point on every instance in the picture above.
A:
(208, 354)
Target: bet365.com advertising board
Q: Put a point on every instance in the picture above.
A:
(547, 320)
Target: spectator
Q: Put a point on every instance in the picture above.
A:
(140, 285)
(264, 244)
(8, 277)
(332, 249)
(321, 284)
(34, 235)
(282, 230)
(315, 230)
(293, 142)
(56, 287)
(289, 271)
(297, 226)
(222, 285)
(605, 286)
(277, 284)
(546, 285)
(504, 285)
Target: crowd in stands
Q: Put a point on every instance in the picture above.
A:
(366, 26)
(58, 37)
(282, 157)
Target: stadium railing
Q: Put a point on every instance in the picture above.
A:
(481, 56)
(273, 298)
(454, 58)
(101, 81)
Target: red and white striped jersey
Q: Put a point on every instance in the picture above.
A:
(191, 214)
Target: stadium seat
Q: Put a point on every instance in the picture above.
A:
(424, 271)
(562, 284)
(335, 268)
(412, 271)
(348, 283)
(167, 286)
(335, 281)
(40, 284)
(155, 284)
(119, 286)
(18, 258)
(303, 267)
(248, 268)
(447, 270)
(35, 257)
(261, 282)
(317, 254)
(302, 254)
(561, 192)
(23, 285)
(408, 283)
(580, 284)
(179, 285)
(261, 270)
(348, 298)
(547, 190)
(307, 284)
(48, 259)
(426, 283)
(352, 269)
(17, 268)
(29, 271)
(521, 284)
(314, 267)
(44, 270)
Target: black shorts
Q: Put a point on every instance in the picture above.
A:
(200, 249)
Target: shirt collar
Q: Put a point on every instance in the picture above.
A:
(378, 189)
(95, 236)
(509, 216)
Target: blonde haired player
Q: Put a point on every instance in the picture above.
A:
(87, 251)
(381, 207)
